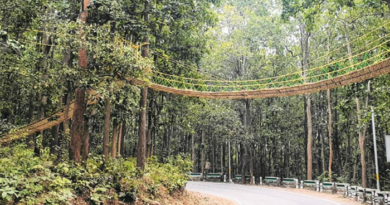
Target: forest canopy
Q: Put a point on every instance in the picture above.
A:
(76, 57)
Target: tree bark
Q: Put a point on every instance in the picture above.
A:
(85, 140)
(77, 125)
(114, 138)
(251, 164)
(305, 35)
(124, 132)
(202, 154)
(143, 103)
(362, 132)
(80, 102)
(362, 138)
(309, 139)
(193, 153)
(106, 131)
(243, 157)
(361, 146)
(223, 158)
(213, 153)
(330, 135)
(120, 140)
(141, 151)
(329, 96)
(248, 123)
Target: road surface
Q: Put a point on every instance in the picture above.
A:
(255, 195)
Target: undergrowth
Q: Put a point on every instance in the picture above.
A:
(28, 179)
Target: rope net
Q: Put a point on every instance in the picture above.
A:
(370, 58)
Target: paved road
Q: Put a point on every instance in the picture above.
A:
(254, 195)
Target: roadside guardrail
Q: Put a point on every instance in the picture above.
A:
(290, 183)
(328, 187)
(272, 181)
(196, 176)
(311, 185)
(361, 194)
(214, 177)
(342, 188)
(370, 196)
(353, 192)
(382, 198)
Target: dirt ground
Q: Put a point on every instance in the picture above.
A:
(332, 197)
(196, 198)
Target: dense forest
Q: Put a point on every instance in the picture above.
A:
(55, 53)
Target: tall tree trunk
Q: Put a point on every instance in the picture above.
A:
(223, 158)
(124, 132)
(248, 123)
(251, 164)
(336, 137)
(330, 119)
(362, 138)
(143, 103)
(193, 153)
(213, 153)
(150, 126)
(114, 138)
(309, 139)
(330, 135)
(77, 125)
(80, 102)
(85, 140)
(120, 140)
(361, 146)
(243, 158)
(305, 35)
(202, 154)
(323, 160)
(362, 132)
(141, 151)
(106, 131)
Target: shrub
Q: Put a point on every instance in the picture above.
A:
(27, 179)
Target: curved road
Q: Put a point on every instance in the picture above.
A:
(255, 195)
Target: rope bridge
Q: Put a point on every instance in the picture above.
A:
(371, 58)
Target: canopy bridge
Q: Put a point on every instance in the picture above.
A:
(370, 58)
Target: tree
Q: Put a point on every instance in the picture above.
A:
(80, 99)
(143, 102)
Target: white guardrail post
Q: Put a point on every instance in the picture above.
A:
(261, 180)
(254, 180)
(320, 188)
(375, 198)
(224, 178)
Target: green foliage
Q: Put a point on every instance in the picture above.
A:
(27, 179)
